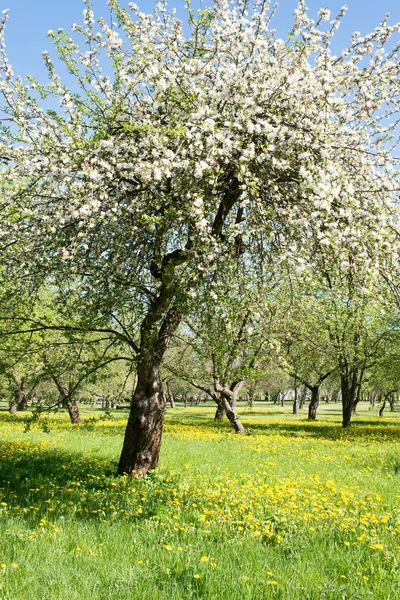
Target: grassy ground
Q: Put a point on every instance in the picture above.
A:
(297, 510)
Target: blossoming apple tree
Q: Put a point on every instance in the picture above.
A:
(172, 149)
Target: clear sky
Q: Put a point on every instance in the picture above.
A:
(30, 20)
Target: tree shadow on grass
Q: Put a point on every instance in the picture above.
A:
(360, 430)
(38, 483)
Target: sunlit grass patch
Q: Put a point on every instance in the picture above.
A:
(222, 515)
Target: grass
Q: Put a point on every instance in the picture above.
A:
(297, 510)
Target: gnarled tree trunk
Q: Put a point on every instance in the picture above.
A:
(142, 441)
(73, 411)
(170, 395)
(20, 400)
(296, 400)
(68, 401)
(228, 397)
(143, 432)
(314, 403)
(348, 381)
(382, 408)
(219, 413)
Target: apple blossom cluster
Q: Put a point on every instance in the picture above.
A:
(141, 156)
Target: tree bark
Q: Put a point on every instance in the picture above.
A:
(296, 399)
(20, 401)
(354, 406)
(348, 382)
(219, 413)
(170, 395)
(303, 396)
(382, 408)
(314, 403)
(142, 441)
(73, 411)
(234, 418)
(228, 397)
(68, 401)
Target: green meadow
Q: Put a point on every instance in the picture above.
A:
(297, 510)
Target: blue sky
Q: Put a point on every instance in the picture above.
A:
(30, 20)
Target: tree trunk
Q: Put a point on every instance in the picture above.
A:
(303, 396)
(143, 432)
(382, 408)
(348, 381)
(314, 402)
(170, 395)
(142, 441)
(73, 411)
(219, 413)
(20, 401)
(252, 391)
(234, 418)
(296, 400)
(228, 397)
(67, 400)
